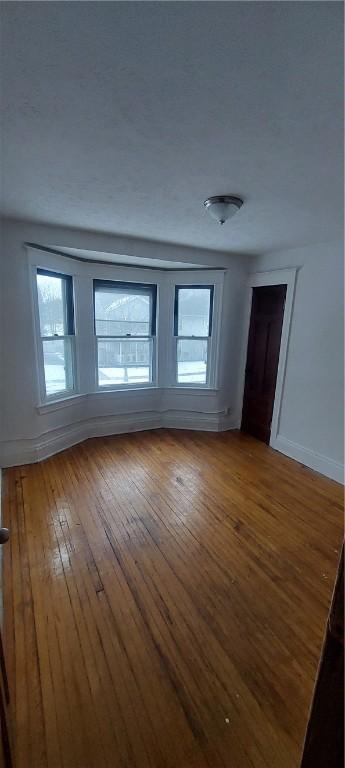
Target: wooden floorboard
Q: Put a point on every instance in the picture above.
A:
(165, 596)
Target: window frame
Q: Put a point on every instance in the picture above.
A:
(70, 336)
(210, 367)
(134, 288)
(83, 273)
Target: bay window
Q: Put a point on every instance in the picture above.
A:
(125, 330)
(115, 345)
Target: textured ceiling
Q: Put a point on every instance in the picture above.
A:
(123, 117)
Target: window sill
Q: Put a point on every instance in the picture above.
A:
(65, 402)
(193, 388)
(61, 402)
(124, 388)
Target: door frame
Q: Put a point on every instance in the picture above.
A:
(257, 280)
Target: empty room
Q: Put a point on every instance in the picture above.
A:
(171, 384)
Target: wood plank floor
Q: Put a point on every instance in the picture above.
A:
(165, 600)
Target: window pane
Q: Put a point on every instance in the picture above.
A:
(191, 361)
(52, 305)
(124, 362)
(58, 368)
(118, 313)
(193, 311)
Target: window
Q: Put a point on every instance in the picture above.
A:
(56, 319)
(192, 328)
(125, 329)
(116, 345)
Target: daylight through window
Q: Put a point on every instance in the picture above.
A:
(56, 317)
(125, 329)
(192, 329)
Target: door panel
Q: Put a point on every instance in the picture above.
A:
(266, 323)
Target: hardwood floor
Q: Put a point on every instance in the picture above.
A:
(165, 600)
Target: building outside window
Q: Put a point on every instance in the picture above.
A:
(56, 319)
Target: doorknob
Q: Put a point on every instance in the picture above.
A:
(4, 535)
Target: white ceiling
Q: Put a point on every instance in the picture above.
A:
(123, 117)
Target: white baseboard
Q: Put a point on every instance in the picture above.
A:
(312, 459)
(31, 450)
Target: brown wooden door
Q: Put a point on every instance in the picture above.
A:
(266, 323)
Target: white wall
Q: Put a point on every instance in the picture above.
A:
(28, 433)
(311, 425)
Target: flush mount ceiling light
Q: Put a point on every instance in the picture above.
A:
(223, 207)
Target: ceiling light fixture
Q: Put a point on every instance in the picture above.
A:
(223, 207)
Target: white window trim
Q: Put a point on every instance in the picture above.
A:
(152, 384)
(85, 342)
(65, 394)
(206, 278)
